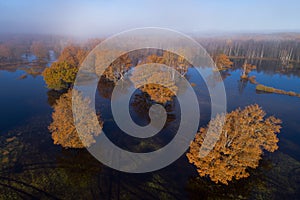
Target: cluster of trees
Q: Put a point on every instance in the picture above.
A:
(61, 74)
(39, 49)
(13, 47)
(118, 68)
(223, 62)
(12, 50)
(60, 77)
(63, 129)
(284, 49)
(157, 92)
(244, 136)
(167, 89)
(162, 92)
(170, 59)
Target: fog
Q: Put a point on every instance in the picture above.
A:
(100, 17)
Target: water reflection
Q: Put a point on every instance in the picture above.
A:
(32, 167)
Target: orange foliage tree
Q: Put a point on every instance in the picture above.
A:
(73, 55)
(118, 68)
(223, 62)
(61, 74)
(157, 92)
(63, 129)
(170, 59)
(242, 140)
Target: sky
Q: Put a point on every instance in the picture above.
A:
(102, 17)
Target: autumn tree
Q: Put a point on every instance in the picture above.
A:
(157, 92)
(244, 136)
(162, 92)
(167, 88)
(170, 59)
(63, 129)
(223, 62)
(39, 50)
(73, 55)
(61, 74)
(118, 68)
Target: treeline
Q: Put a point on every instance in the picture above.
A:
(14, 48)
(286, 50)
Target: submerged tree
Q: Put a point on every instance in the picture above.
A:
(247, 68)
(223, 62)
(118, 68)
(170, 59)
(161, 92)
(161, 83)
(63, 129)
(242, 140)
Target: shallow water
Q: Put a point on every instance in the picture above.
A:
(33, 167)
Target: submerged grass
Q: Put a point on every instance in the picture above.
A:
(267, 89)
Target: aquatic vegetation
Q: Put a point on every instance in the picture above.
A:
(252, 79)
(267, 89)
(240, 146)
(23, 76)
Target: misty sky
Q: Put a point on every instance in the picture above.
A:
(111, 16)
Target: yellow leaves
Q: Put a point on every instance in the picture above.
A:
(243, 137)
(60, 75)
(157, 92)
(118, 68)
(223, 62)
(63, 129)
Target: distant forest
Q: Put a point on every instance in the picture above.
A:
(284, 47)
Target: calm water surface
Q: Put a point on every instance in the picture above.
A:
(33, 167)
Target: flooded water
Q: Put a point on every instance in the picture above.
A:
(33, 167)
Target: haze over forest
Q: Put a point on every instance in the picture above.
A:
(101, 18)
